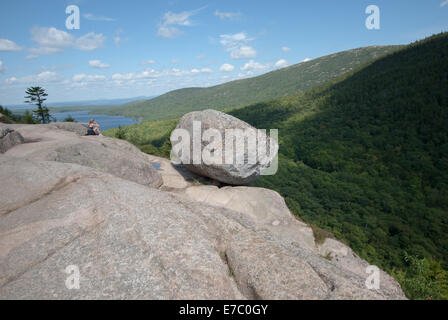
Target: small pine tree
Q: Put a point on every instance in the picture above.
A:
(37, 96)
(120, 133)
(69, 118)
(28, 117)
(5, 111)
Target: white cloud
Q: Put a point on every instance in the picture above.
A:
(236, 44)
(90, 16)
(10, 80)
(43, 77)
(243, 52)
(228, 15)
(98, 64)
(48, 76)
(8, 45)
(169, 32)
(88, 78)
(150, 61)
(166, 27)
(306, 60)
(231, 41)
(121, 76)
(31, 56)
(178, 73)
(36, 52)
(203, 70)
(444, 3)
(118, 39)
(128, 83)
(281, 63)
(90, 41)
(2, 68)
(286, 49)
(78, 77)
(52, 40)
(226, 67)
(201, 56)
(150, 74)
(255, 66)
(246, 74)
(55, 67)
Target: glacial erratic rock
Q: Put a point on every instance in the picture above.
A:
(243, 167)
(9, 138)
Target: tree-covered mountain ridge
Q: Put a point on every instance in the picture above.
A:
(275, 84)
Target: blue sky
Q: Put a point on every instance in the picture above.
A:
(144, 48)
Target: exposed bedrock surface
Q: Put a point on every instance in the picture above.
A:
(152, 230)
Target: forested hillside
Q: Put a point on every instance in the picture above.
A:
(275, 84)
(366, 156)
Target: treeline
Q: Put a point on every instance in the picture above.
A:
(10, 117)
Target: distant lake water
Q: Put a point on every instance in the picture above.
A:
(105, 121)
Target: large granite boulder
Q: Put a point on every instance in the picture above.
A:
(244, 167)
(9, 138)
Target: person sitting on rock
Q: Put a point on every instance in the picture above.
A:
(93, 128)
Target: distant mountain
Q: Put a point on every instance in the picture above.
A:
(275, 84)
(82, 103)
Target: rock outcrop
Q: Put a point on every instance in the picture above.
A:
(9, 138)
(235, 172)
(70, 145)
(5, 119)
(133, 238)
